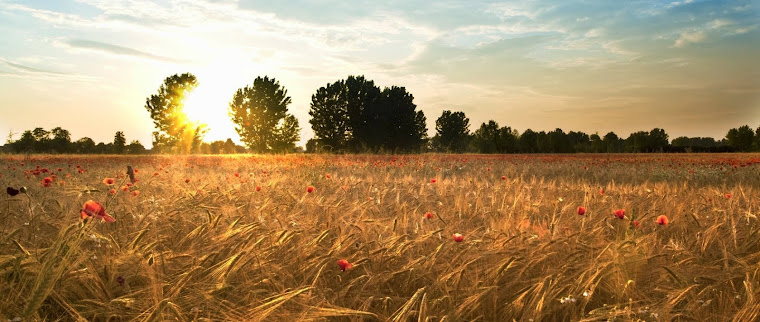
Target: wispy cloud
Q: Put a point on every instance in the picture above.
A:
(688, 37)
(115, 50)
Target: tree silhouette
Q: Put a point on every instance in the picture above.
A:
(119, 143)
(741, 138)
(260, 116)
(174, 131)
(353, 114)
(529, 141)
(403, 128)
(329, 116)
(452, 132)
(285, 135)
(134, 147)
(61, 140)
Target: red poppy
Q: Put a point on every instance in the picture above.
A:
(94, 209)
(433, 180)
(620, 213)
(155, 173)
(125, 188)
(258, 188)
(310, 189)
(112, 191)
(662, 220)
(503, 177)
(728, 196)
(109, 181)
(458, 237)
(46, 181)
(136, 193)
(429, 215)
(344, 265)
(187, 180)
(601, 191)
(581, 211)
(635, 223)
(328, 176)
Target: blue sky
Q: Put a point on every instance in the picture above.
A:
(689, 67)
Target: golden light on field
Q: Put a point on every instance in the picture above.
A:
(207, 105)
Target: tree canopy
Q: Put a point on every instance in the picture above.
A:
(260, 114)
(174, 132)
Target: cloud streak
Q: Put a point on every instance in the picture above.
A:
(116, 50)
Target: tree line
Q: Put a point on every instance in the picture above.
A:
(354, 115)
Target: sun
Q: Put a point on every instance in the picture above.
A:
(208, 105)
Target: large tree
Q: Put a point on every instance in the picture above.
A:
(119, 143)
(260, 116)
(741, 138)
(452, 132)
(61, 141)
(329, 116)
(174, 132)
(401, 128)
(354, 114)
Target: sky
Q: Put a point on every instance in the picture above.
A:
(690, 67)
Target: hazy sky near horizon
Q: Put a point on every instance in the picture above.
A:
(690, 67)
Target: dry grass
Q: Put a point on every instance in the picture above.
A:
(216, 248)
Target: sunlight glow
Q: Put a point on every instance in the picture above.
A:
(208, 105)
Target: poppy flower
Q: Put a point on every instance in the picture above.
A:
(635, 223)
(258, 188)
(136, 193)
(433, 180)
(581, 211)
(728, 196)
(503, 177)
(187, 180)
(327, 176)
(429, 215)
(458, 237)
(125, 188)
(344, 265)
(620, 213)
(601, 191)
(112, 191)
(46, 181)
(94, 209)
(310, 189)
(11, 191)
(109, 181)
(155, 173)
(662, 220)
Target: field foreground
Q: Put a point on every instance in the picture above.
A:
(260, 238)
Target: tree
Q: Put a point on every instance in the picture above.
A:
(757, 139)
(41, 139)
(61, 140)
(741, 138)
(485, 138)
(452, 132)
(119, 143)
(399, 127)
(353, 114)
(286, 134)
(529, 141)
(257, 111)
(597, 145)
(135, 147)
(658, 140)
(84, 145)
(329, 116)
(24, 144)
(367, 118)
(174, 132)
(612, 143)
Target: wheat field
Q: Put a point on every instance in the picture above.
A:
(241, 238)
